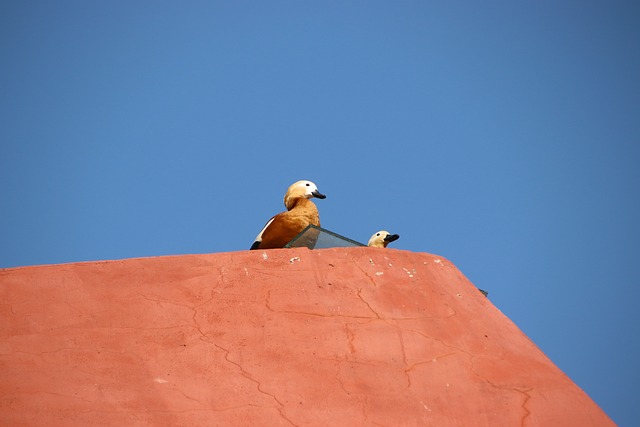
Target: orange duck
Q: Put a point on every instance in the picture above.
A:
(301, 212)
(381, 239)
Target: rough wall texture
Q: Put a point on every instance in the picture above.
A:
(340, 337)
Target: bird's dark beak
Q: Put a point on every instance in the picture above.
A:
(318, 194)
(391, 237)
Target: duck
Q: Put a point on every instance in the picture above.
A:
(381, 239)
(301, 212)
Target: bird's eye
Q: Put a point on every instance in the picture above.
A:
(377, 234)
(308, 184)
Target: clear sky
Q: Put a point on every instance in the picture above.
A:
(501, 135)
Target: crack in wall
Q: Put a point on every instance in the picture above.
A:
(66, 396)
(366, 399)
(440, 341)
(411, 367)
(161, 301)
(521, 390)
(350, 337)
(405, 362)
(244, 373)
(203, 335)
(367, 304)
(337, 377)
(371, 279)
(471, 357)
(166, 411)
(524, 405)
(308, 313)
(190, 307)
(221, 278)
(192, 399)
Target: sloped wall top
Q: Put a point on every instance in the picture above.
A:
(289, 337)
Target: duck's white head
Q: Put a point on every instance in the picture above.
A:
(299, 189)
(381, 239)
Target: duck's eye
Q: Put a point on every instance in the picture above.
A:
(307, 184)
(377, 234)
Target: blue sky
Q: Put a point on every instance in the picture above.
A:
(501, 135)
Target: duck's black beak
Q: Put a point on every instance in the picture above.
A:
(318, 194)
(391, 237)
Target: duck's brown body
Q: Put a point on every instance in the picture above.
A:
(287, 225)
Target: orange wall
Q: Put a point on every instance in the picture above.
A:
(340, 337)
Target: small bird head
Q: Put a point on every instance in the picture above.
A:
(381, 239)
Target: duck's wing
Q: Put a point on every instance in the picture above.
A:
(256, 243)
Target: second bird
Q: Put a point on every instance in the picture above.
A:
(381, 239)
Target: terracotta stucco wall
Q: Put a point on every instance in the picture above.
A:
(340, 337)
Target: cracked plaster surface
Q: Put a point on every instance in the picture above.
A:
(354, 336)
